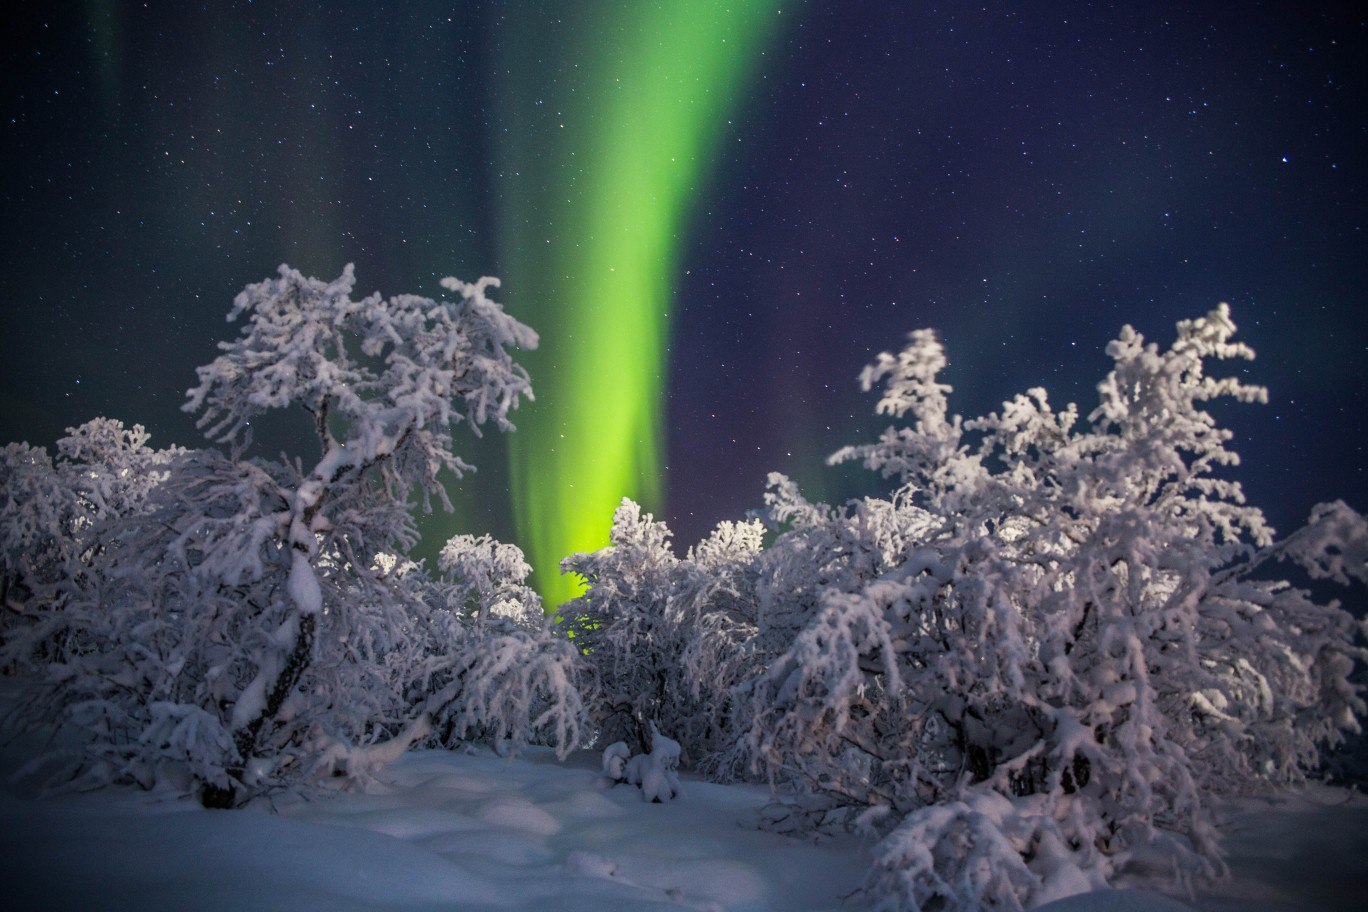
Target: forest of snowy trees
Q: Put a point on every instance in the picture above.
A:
(1053, 644)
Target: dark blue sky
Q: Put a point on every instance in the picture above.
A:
(1025, 178)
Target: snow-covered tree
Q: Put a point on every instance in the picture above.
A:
(237, 629)
(385, 380)
(488, 578)
(1064, 642)
(665, 639)
(35, 537)
(497, 669)
(111, 467)
(624, 626)
(717, 609)
(54, 513)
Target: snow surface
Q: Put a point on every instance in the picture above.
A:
(447, 830)
(473, 831)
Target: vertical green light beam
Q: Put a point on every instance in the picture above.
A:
(610, 123)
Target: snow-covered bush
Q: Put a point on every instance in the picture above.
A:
(497, 668)
(488, 578)
(622, 624)
(655, 773)
(718, 605)
(1052, 646)
(664, 638)
(615, 757)
(36, 537)
(230, 624)
(54, 514)
(50, 508)
(817, 551)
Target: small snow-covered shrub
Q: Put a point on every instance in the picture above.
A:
(615, 757)
(659, 779)
(973, 853)
(656, 773)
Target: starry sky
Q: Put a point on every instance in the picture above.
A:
(715, 214)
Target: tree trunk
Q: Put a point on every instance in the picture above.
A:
(245, 740)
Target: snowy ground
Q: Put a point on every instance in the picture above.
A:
(472, 831)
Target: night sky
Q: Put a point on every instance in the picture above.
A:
(790, 188)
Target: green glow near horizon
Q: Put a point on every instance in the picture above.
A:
(613, 120)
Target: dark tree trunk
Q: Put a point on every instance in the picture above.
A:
(213, 796)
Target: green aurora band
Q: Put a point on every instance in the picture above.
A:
(611, 123)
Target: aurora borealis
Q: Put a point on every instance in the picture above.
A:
(616, 116)
(713, 214)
